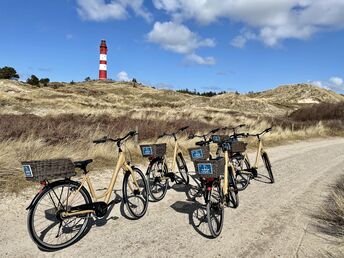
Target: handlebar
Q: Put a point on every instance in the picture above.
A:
(118, 140)
(191, 136)
(173, 134)
(261, 133)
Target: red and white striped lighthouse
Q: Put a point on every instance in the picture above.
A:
(103, 61)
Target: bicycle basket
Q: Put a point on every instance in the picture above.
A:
(153, 150)
(218, 138)
(199, 153)
(210, 168)
(238, 146)
(40, 170)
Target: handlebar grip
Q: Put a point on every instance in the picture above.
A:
(215, 130)
(101, 140)
(242, 125)
(132, 133)
(200, 143)
(268, 129)
(191, 136)
(183, 128)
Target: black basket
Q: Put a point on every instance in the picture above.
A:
(238, 146)
(218, 138)
(40, 170)
(153, 150)
(210, 168)
(235, 146)
(197, 153)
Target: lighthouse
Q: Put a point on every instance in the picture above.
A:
(103, 61)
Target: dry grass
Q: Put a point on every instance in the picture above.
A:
(62, 120)
(330, 218)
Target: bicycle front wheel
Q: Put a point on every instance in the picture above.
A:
(157, 180)
(215, 210)
(47, 228)
(233, 193)
(135, 193)
(267, 163)
(183, 169)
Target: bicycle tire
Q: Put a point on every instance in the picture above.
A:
(242, 179)
(38, 237)
(233, 192)
(183, 169)
(153, 182)
(267, 163)
(215, 207)
(141, 194)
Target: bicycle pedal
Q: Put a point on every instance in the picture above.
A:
(171, 175)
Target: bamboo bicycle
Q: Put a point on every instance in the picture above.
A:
(59, 213)
(158, 174)
(218, 188)
(262, 153)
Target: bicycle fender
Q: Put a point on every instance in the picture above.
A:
(152, 162)
(48, 186)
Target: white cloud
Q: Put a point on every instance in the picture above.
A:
(193, 58)
(101, 10)
(180, 39)
(333, 83)
(337, 81)
(272, 21)
(123, 76)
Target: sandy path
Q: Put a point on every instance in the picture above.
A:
(271, 221)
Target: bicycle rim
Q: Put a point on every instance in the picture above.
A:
(183, 170)
(135, 193)
(45, 227)
(215, 211)
(157, 181)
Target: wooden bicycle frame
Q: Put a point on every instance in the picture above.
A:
(121, 164)
(175, 152)
(260, 150)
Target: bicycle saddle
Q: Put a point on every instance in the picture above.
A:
(83, 164)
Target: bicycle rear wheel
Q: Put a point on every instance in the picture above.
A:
(215, 210)
(135, 193)
(242, 175)
(183, 169)
(46, 226)
(267, 163)
(156, 180)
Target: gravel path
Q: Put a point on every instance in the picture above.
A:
(272, 220)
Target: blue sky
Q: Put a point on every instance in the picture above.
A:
(205, 45)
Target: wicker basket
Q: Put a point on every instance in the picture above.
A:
(40, 170)
(210, 168)
(218, 138)
(198, 153)
(234, 147)
(238, 147)
(153, 150)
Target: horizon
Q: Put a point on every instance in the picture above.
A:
(208, 46)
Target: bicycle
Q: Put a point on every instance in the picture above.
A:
(261, 152)
(217, 185)
(158, 174)
(243, 173)
(59, 214)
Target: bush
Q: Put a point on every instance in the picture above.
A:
(8, 73)
(319, 112)
(44, 81)
(72, 82)
(33, 80)
(87, 79)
